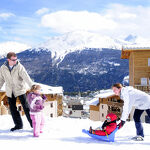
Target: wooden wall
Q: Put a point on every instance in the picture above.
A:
(138, 66)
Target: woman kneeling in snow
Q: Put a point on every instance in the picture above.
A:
(108, 126)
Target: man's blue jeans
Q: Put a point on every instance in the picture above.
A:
(138, 124)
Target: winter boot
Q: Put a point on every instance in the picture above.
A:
(90, 130)
(15, 128)
(138, 138)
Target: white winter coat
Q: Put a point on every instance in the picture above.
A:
(14, 80)
(133, 97)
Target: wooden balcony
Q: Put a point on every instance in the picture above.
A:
(144, 88)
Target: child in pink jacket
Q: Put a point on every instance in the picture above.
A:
(36, 102)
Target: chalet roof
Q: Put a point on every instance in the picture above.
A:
(51, 89)
(103, 94)
(46, 89)
(127, 49)
(135, 47)
(94, 101)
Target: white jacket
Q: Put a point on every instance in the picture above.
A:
(133, 97)
(14, 80)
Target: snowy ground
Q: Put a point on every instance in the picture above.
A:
(66, 133)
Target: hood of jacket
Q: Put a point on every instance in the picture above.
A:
(112, 116)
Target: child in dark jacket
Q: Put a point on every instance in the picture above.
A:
(36, 102)
(108, 126)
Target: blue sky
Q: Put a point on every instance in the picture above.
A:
(33, 21)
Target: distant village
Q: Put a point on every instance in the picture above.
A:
(98, 104)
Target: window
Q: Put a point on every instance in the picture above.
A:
(102, 115)
(102, 106)
(51, 105)
(149, 62)
(51, 115)
(143, 81)
(70, 113)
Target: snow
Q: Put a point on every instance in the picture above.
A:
(103, 94)
(94, 101)
(66, 133)
(46, 89)
(78, 40)
(143, 46)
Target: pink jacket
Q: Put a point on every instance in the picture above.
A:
(36, 102)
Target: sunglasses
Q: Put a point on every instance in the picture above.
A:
(13, 59)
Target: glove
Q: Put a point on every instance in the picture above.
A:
(121, 124)
(40, 107)
(44, 97)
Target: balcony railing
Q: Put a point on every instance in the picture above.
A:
(145, 88)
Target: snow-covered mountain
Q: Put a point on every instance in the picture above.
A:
(78, 40)
(78, 61)
(17, 47)
(88, 69)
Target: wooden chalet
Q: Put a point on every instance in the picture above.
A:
(105, 103)
(139, 66)
(53, 105)
(139, 70)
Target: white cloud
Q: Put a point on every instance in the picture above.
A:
(130, 19)
(42, 11)
(67, 21)
(115, 20)
(17, 47)
(127, 16)
(6, 15)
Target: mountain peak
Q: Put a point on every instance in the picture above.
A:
(78, 40)
(131, 38)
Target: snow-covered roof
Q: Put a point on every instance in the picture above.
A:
(103, 94)
(136, 47)
(94, 101)
(46, 89)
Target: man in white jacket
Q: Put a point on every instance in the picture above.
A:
(133, 97)
(14, 75)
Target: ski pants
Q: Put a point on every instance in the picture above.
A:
(137, 120)
(15, 113)
(37, 122)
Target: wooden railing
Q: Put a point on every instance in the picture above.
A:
(145, 88)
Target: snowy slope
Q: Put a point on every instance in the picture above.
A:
(65, 133)
(6, 47)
